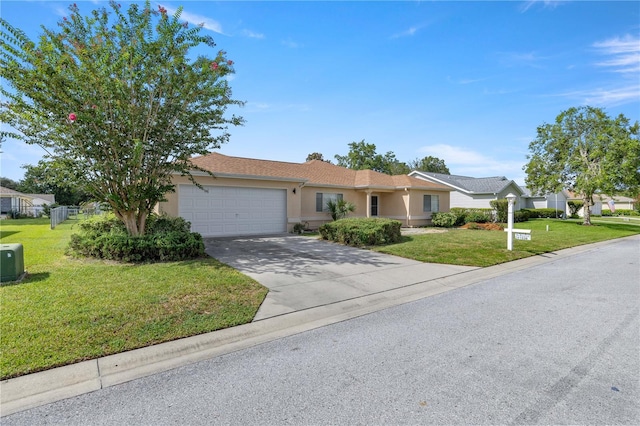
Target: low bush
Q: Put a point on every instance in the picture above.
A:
(444, 220)
(362, 231)
(520, 216)
(477, 217)
(166, 239)
(546, 213)
(625, 212)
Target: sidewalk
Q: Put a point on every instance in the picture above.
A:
(64, 382)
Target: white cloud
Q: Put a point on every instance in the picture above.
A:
(528, 59)
(624, 54)
(547, 4)
(291, 44)
(406, 33)
(192, 18)
(609, 97)
(251, 34)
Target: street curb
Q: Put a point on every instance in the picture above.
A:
(45, 387)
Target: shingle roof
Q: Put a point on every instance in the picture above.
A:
(11, 192)
(314, 172)
(486, 185)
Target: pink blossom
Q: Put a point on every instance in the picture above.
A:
(214, 65)
(72, 117)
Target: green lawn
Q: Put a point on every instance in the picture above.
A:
(69, 310)
(486, 248)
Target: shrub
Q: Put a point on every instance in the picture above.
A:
(502, 209)
(299, 228)
(460, 215)
(574, 207)
(166, 239)
(520, 216)
(445, 220)
(477, 217)
(340, 209)
(362, 231)
(625, 212)
(544, 213)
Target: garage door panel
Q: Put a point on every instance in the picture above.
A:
(228, 211)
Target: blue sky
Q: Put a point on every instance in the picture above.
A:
(467, 82)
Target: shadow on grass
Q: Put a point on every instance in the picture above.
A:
(30, 278)
(4, 234)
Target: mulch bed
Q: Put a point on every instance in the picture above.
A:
(485, 226)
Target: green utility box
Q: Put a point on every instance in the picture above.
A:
(11, 262)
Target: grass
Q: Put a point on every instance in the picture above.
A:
(69, 310)
(486, 248)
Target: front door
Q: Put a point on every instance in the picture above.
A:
(374, 205)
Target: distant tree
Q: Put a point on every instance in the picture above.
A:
(121, 98)
(429, 164)
(588, 152)
(48, 177)
(363, 156)
(317, 156)
(9, 183)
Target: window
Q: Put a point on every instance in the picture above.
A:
(431, 203)
(323, 198)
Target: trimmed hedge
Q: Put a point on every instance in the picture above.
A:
(462, 214)
(620, 212)
(546, 213)
(166, 239)
(362, 231)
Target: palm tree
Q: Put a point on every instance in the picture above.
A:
(340, 208)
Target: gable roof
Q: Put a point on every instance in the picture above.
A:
(6, 192)
(469, 185)
(314, 173)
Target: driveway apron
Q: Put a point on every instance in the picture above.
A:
(303, 272)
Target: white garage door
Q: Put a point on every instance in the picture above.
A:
(229, 211)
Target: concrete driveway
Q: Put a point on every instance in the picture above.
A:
(303, 272)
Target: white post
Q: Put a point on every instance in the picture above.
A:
(511, 200)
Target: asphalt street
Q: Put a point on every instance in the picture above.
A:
(557, 343)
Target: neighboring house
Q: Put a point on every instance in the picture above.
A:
(595, 209)
(469, 192)
(250, 196)
(39, 200)
(11, 200)
(556, 201)
(619, 202)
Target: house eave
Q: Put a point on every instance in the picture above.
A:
(199, 173)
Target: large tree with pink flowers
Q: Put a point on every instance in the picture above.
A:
(118, 98)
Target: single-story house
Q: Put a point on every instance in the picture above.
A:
(250, 196)
(619, 202)
(596, 208)
(470, 192)
(556, 201)
(11, 200)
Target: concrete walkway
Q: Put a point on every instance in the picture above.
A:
(52, 385)
(302, 272)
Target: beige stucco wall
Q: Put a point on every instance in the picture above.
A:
(301, 205)
(391, 205)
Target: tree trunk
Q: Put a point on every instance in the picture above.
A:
(588, 202)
